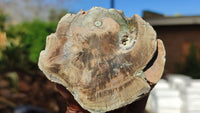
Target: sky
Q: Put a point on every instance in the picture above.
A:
(130, 7)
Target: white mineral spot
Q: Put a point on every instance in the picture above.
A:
(97, 23)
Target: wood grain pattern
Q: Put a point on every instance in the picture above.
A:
(99, 56)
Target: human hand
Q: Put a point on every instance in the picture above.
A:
(72, 104)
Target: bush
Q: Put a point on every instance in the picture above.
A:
(2, 20)
(32, 37)
(191, 66)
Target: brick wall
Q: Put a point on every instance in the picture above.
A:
(176, 38)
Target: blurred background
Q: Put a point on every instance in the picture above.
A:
(24, 25)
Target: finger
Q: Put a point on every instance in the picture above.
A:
(65, 93)
(73, 109)
(154, 73)
(72, 105)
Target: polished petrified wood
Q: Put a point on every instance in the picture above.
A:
(102, 58)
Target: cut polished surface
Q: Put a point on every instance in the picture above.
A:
(99, 56)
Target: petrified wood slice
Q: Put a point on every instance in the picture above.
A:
(99, 56)
(154, 73)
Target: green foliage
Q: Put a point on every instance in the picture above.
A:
(191, 66)
(15, 58)
(31, 37)
(25, 42)
(2, 20)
